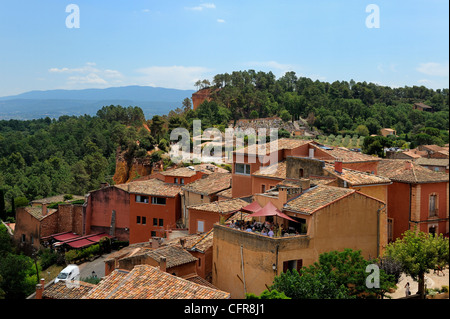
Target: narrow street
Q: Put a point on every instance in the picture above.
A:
(96, 265)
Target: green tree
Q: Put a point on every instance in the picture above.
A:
(266, 294)
(362, 130)
(418, 252)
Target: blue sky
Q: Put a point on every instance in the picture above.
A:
(173, 43)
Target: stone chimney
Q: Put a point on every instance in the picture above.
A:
(408, 165)
(163, 264)
(182, 242)
(44, 210)
(338, 166)
(40, 289)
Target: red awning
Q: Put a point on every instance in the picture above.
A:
(253, 207)
(80, 243)
(64, 236)
(270, 210)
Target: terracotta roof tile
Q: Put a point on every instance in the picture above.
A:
(175, 256)
(61, 290)
(222, 206)
(432, 161)
(36, 212)
(355, 178)
(151, 187)
(147, 282)
(277, 145)
(397, 170)
(226, 193)
(211, 184)
(346, 155)
(317, 197)
(277, 170)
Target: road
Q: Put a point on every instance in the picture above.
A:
(97, 265)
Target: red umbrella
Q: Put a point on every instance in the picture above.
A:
(270, 210)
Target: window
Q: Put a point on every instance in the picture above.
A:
(144, 220)
(159, 200)
(292, 264)
(300, 172)
(263, 188)
(23, 238)
(390, 230)
(175, 180)
(182, 181)
(161, 222)
(141, 199)
(155, 221)
(153, 234)
(138, 219)
(200, 226)
(433, 210)
(242, 169)
(201, 197)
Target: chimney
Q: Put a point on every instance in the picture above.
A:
(40, 289)
(163, 264)
(155, 242)
(44, 210)
(338, 166)
(182, 242)
(408, 165)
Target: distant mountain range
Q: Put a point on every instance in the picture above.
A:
(54, 103)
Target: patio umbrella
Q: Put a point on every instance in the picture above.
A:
(270, 210)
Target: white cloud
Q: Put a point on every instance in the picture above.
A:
(220, 20)
(88, 75)
(176, 77)
(202, 6)
(434, 69)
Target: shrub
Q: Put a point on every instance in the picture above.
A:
(48, 258)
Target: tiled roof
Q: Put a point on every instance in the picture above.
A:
(61, 290)
(316, 198)
(147, 282)
(348, 156)
(221, 206)
(397, 170)
(192, 170)
(432, 161)
(355, 178)
(194, 242)
(277, 170)
(280, 144)
(226, 193)
(153, 187)
(175, 256)
(211, 184)
(56, 199)
(36, 212)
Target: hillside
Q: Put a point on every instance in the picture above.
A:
(55, 103)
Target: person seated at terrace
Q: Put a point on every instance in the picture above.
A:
(270, 233)
(264, 231)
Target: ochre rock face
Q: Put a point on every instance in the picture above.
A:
(126, 173)
(199, 97)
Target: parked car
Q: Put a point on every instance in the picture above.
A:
(70, 273)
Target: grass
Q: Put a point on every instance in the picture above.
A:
(51, 272)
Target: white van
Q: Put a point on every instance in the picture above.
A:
(69, 274)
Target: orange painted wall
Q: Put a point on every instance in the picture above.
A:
(209, 219)
(187, 180)
(99, 209)
(399, 205)
(426, 190)
(170, 213)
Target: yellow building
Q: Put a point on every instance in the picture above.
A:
(336, 218)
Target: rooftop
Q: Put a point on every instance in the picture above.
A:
(211, 184)
(153, 187)
(222, 206)
(147, 282)
(346, 155)
(192, 170)
(56, 199)
(175, 256)
(273, 146)
(316, 198)
(432, 161)
(277, 170)
(355, 178)
(409, 172)
(36, 212)
(61, 290)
